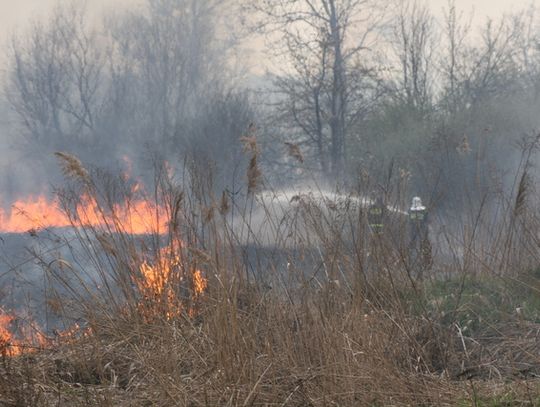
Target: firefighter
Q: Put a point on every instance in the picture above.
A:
(419, 244)
(377, 216)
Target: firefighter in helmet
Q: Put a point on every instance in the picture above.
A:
(377, 215)
(419, 244)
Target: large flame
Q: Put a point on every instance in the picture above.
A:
(136, 217)
(167, 284)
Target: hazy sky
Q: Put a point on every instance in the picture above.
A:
(15, 13)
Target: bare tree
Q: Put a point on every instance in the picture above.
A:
(322, 43)
(55, 81)
(456, 30)
(414, 40)
(493, 62)
(170, 68)
(475, 72)
(140, 79)
(303, 107)
(527, 44)
(167, 56)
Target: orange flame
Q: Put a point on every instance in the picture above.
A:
(157, 275)
(32, 213)
(6, 337)
(138, 217)
(160, 278)
(20, 336)
(26, 338)
(199, 282)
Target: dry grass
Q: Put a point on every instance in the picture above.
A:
(72, 166)
(331, 317)
(254, 354)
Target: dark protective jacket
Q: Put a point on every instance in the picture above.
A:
(418, 224)
(419, 245)
(377, 216)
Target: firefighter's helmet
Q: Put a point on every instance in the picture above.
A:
(417, 204)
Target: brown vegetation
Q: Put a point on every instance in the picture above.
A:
(356, 327)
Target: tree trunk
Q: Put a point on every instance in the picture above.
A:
(337, 122)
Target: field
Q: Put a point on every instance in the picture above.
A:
(294, 303)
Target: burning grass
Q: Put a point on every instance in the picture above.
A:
(185, 315)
